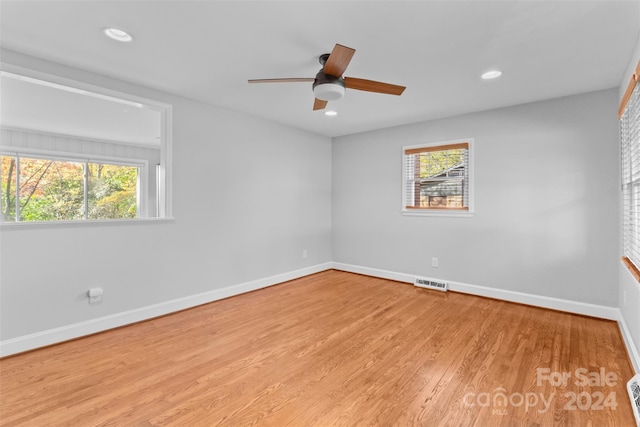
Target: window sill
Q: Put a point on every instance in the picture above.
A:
(32, 225)
(439, 212)
(632, 268)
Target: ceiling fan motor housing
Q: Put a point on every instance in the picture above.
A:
(328, 88)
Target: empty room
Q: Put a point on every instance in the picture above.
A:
(320, 213)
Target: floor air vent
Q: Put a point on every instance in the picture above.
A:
(423, 282)
(633, 386)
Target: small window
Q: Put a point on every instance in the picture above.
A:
(437, 178)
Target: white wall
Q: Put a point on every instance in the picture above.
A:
(248, 196)
(629, 289)
(546, 222)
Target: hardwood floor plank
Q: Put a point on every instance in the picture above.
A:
(335, 349)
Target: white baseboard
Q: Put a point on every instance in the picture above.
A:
(632, 349)
(76, 330)
(601, 311)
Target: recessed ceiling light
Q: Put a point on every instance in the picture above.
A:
(493, 74)
(330, 113)
(116, 34)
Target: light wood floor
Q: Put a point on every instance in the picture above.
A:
(331, 349)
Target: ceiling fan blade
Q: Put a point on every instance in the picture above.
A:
(373, 86)
(319, 104)
(338, 60)
(285, 80)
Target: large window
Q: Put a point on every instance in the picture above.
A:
(72, 152)
(630, 147)
(437, 177)
(42, 188)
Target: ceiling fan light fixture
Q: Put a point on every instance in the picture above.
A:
(329, 91)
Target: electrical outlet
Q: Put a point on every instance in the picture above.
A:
(305, 254)
(434, 262)
(95, 295)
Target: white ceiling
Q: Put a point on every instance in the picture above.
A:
(207, 50)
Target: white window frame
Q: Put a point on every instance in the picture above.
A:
(142, 184)
(470, 212)
(165, 169)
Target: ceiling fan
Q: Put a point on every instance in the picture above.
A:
(329, 85)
